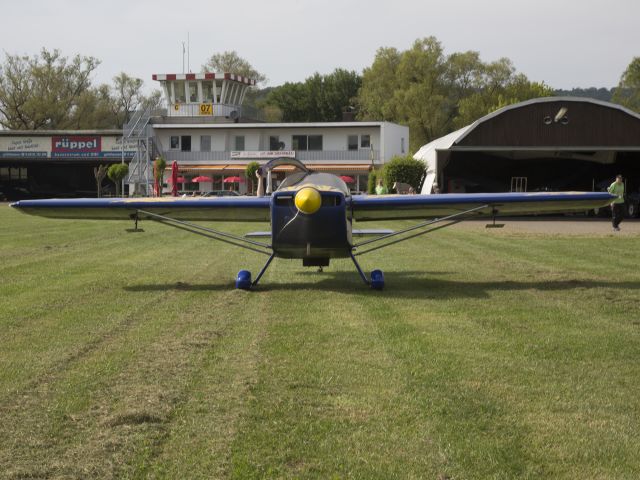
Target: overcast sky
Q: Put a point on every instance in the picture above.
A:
(566, 43)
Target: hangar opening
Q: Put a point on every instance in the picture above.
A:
(545, 144)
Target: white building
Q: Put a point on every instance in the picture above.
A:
(208, 132)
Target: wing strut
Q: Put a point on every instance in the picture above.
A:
(206, 232)
(451, 219)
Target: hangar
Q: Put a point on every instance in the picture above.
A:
(544, 144)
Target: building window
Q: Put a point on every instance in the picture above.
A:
(315, 142)
(185, 143)
(352, 142)
(299, 142)
(207, 92)
(205, 143)
(365, 141)
(274, 143)
(402, 145)
(193, 92)
(306, 142)
(239, 142)
(175, 142)
(178, 91)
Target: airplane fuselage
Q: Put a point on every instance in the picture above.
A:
(313, 237)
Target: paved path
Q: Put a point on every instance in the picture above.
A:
(556, 226)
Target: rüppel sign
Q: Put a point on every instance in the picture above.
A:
(76, 146)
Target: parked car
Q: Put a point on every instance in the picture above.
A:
(221, 193)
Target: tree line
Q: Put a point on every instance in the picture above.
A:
(421, 87)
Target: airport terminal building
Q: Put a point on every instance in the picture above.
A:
(205, 128)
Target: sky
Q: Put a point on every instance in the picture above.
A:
(565, 43)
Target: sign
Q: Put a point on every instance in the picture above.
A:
(206, 109)
(66, 146)
(76, 146)
(24, 147)
(263, 154)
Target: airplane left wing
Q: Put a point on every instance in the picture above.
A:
(396, 207)
(240, 209)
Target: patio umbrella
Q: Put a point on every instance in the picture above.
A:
(174, 178)
(202, 178)
(347, 179)
(233, 180)
(177, 180)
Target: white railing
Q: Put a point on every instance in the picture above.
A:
(308, 156)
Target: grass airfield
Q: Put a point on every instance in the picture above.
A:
(490, 354)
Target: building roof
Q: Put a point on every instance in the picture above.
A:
(46, 133)
(271, 125)
(601, 125)
(163, 77)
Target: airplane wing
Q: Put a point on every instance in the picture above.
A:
(396, 207)
(241, 209)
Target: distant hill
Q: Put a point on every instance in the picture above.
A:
(603, 94)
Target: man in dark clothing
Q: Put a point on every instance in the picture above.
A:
(617, 206)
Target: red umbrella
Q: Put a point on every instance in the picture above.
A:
(174, 178)
(202, 178)
(347, 179)
(233, 180)
(177, 180)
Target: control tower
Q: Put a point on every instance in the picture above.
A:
(209, 97)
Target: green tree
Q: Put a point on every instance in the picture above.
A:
(371, 182)
(405, 169)
(231, 62)
(628, 91)
(250, 172)
(159, 166)
(434, 94)
(116, 173)
(43, 91)
(320, 98)
(126, 96)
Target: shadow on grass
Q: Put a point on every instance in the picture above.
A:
(399, 284)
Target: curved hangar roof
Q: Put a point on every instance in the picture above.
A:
(552, 122)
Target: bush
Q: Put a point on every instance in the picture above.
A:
(160, 165)
(371, 183)
(116, 174)
(406, 170)
(250, 172)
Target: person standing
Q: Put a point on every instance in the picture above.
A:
(617, 206)
(381, 189)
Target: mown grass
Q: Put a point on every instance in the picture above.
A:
(488, 355)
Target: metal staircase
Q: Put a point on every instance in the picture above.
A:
(139, 130)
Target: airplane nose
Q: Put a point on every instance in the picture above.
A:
(308, 200)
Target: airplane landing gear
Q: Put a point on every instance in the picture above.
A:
(377, 277)
(377, 280)
(243, 280)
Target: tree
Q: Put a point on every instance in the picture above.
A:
(404, 169)
(628, 91)
(371, 182)
(320, 98)
(126, 97)
(231, 62)
(99, 173)
(159, 166)
(433, 93)
(116, 173)
(250, 172)
(43, 91)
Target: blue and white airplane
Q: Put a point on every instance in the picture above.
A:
(312, 214)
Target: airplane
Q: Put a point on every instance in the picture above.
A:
(312, 215)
